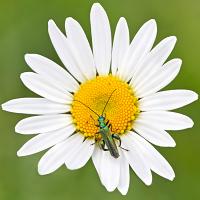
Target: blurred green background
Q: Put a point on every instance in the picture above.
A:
(23, 28)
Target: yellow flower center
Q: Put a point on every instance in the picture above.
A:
(121, 109)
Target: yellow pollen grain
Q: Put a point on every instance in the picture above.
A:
(121, 109)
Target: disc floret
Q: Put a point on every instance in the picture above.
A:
(121, 110)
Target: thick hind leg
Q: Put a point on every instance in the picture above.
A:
(116, 136)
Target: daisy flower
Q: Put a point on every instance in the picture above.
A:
(120, 79)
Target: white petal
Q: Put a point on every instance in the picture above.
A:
(109, 171)
(153, 158)
(63, 50)
(42, 124)
(80, 156)
(96, 158)
(153, 61)
(165, 120)
(167, 100)
(58, 154)
(139, 47)
(153, 134)
(45, 140)
(162, 78)
(120, 44)
(101, 38)
(124, 175)
(45, 88)
(35, 106)
(81, 47)
(136, 160)
(54, 72)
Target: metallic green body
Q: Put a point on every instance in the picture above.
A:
(107, 137)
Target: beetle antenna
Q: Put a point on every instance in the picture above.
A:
(108, 101)
(88, 107)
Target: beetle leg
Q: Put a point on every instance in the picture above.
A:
(107, 123)
(96, 141)
(117, 138)
(110, 126)
(102, 145)
(124, 149)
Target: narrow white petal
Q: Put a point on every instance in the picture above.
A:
(96, 158)
(109, 171)
(124, 175)
(63, 50)
(80, 156)
(162, 78)
(53, 71)
(45, 88)
(45, 140)
(120, 44)
(153, 134)
(42, 124)
(165, 120)
(153, 158)
(81, 47)
(139, 48)
(57, 155)
(136, 160)
(167, 100)
(153, 61)
(35, 106)
(101, 38)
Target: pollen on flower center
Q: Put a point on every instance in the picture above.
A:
(121, 109)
